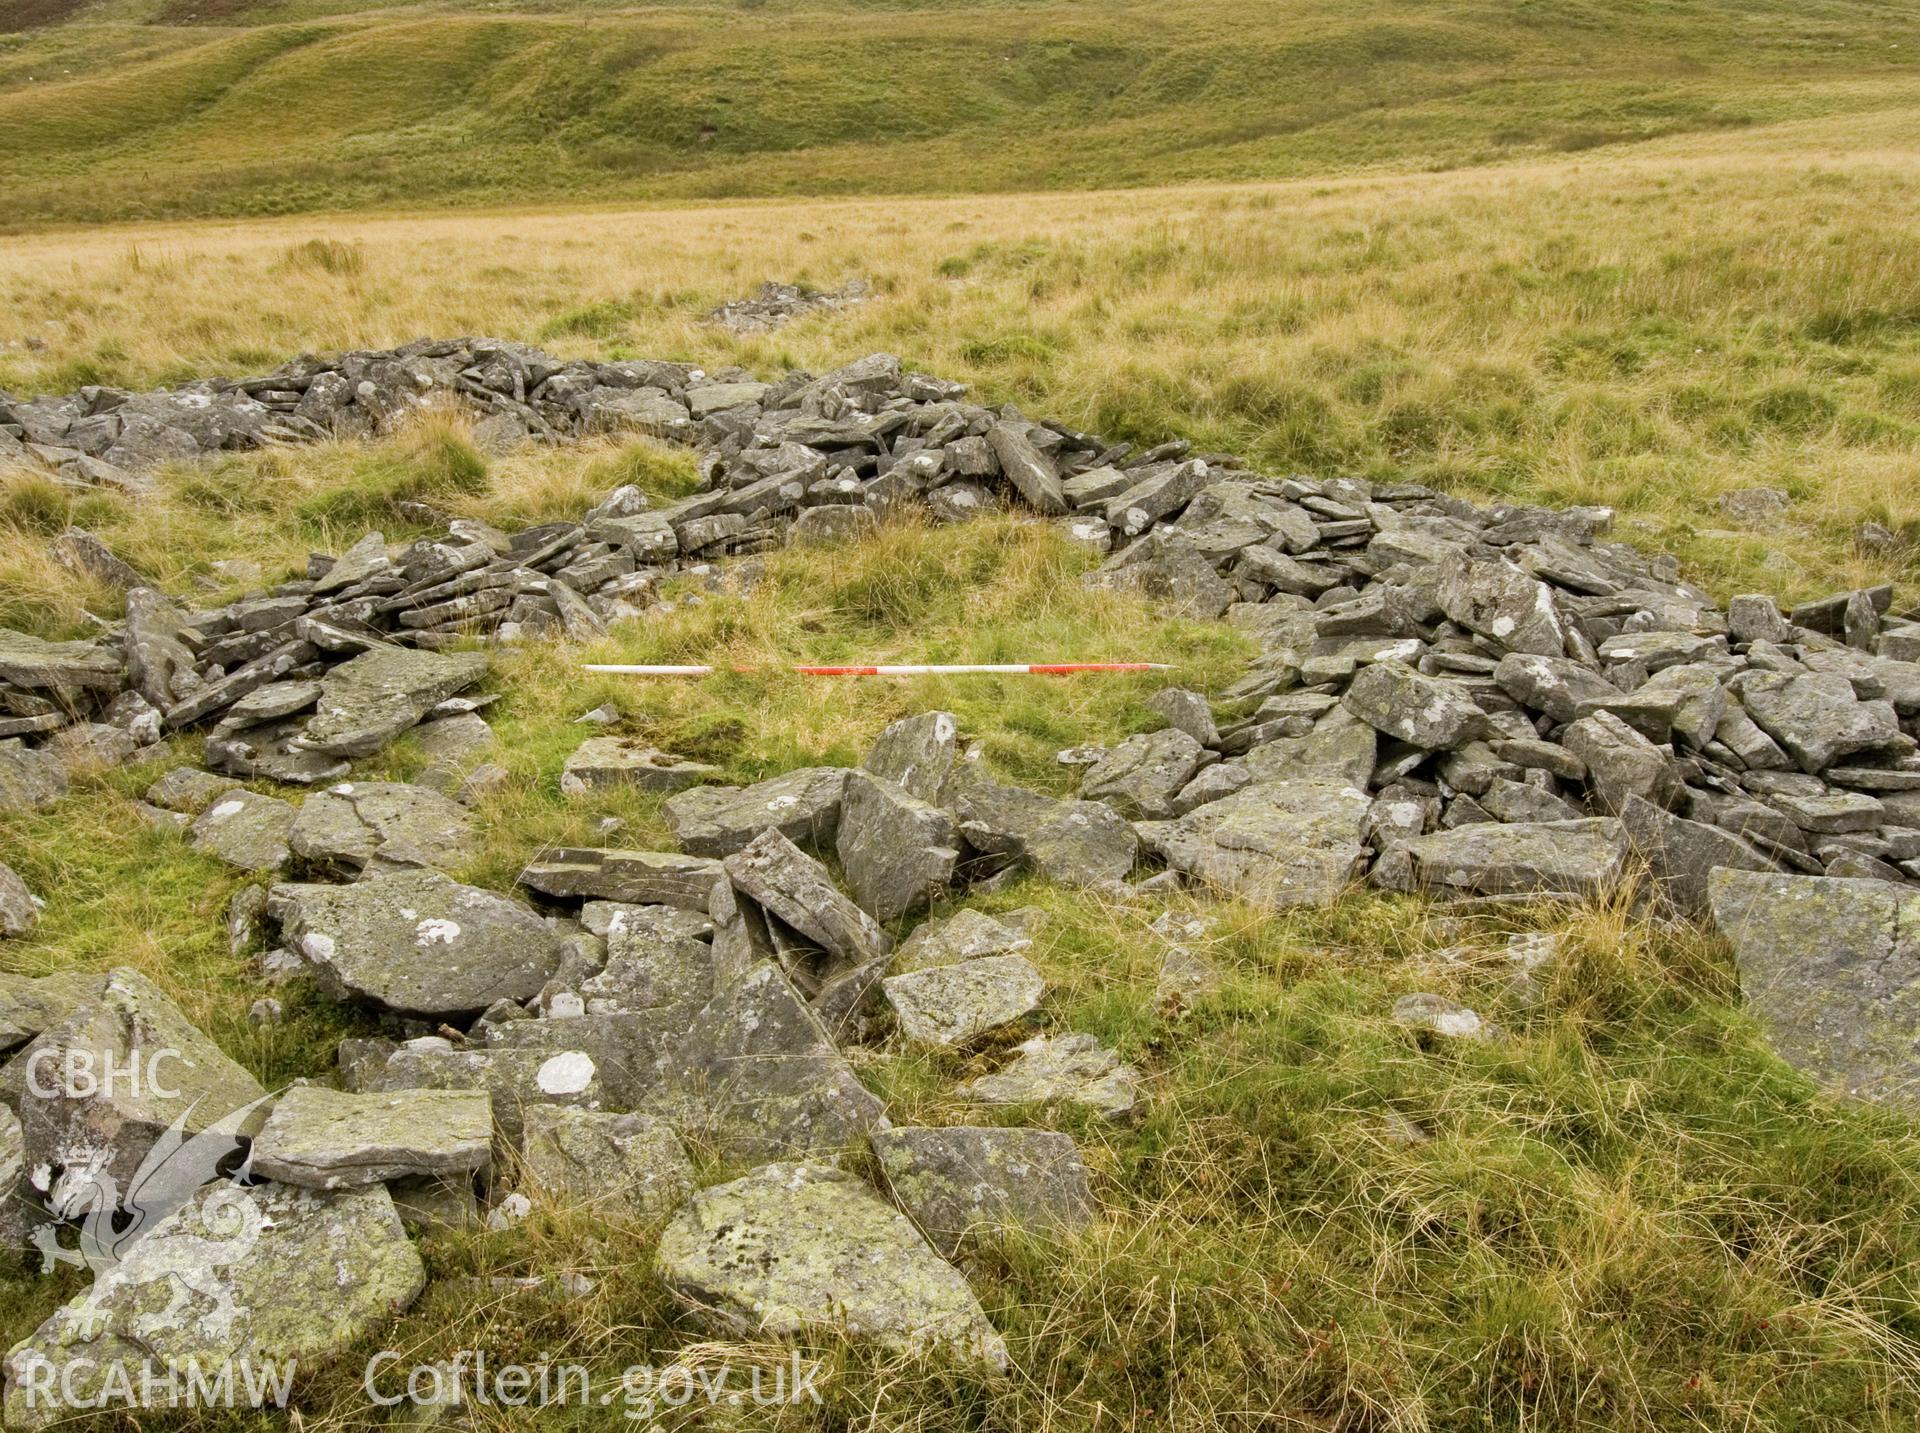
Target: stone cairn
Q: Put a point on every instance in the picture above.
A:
(1495, 706)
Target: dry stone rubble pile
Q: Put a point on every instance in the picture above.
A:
(1494, 705)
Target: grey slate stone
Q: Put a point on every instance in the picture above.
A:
(917, 753)
(1429, 712)
(963, 1181)
(793, 1249)
(1143, 774)
(19, 906)
(368, 700)
(362, 823)
(624, 1167)
(792, 885)
(319, 1138)
(81, 1136)
(896, 851)
(612, 762)
(1575, 858)
(802, 805)
(759, 1075)
(950, 1005)
(259, 1277)
(1278, 843)
(245, 829)
(1829, 967)
(1063, 1069)
(635, 877)
(418, 942)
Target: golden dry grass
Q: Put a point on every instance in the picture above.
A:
(1647, 331)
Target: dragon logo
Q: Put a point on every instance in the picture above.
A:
(174, 1171)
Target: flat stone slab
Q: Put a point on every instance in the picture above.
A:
(368, 700)
(609, 763)
(517, 1081)
(1832, 970)
(798, 889)
(962, 1180)
(759, 1074)
(329, 1139)
(73, 667)
(356, 823)
(644, 878)
(792, 1249)
(418, 942)
(964, 935)
(242, 1276)
(1061, 1069)
(1573, 858)
(189, 790)
(622, 1166)
(949, 1005)
(245, 829)
(802, 805)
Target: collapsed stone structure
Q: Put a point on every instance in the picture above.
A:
(1498, 705)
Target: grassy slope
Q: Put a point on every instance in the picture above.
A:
(301, 108)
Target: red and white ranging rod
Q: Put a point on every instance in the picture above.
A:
(909, 669)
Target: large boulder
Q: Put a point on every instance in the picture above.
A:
(1831, 968)
(418, 942)
(251, 1280)
(1276, 843)
(959, 1181)
(802, 805)
(245, 829)
(895, 849)
(796, 1249)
